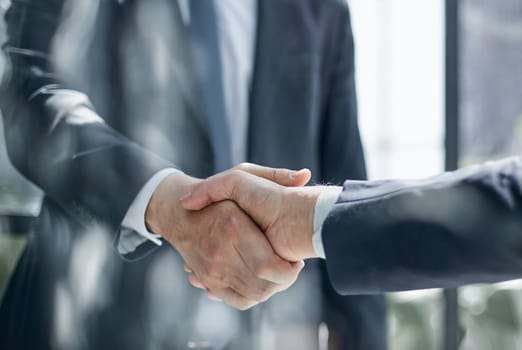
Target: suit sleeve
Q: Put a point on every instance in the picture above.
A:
(458, 228)
(54, 136)
(355, 322)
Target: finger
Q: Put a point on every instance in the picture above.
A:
(284, 177)
(247, 190)
(251, 287)
(232, 298)
(255, 279)
(186, 268)
(279, 271)
(232, 272)
(241, 186)
(214, 189)
(240, 276)
(284, 286)
(232, 266)
(251, 268)
(213, 297)
(258, 254)
(195, 282)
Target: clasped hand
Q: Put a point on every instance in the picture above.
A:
(243, 233)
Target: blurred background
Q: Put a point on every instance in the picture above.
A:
(439, 87)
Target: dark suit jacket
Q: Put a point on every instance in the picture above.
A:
(457, 228)
(91, 114)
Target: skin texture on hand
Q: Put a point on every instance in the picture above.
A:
(226, 251)
(285, 214)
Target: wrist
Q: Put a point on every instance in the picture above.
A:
(164, 202)
(303, 201)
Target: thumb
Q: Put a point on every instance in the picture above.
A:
(242, 179)
(216, 188)
(283, 177)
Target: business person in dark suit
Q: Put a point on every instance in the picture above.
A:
(106, 100)
(457, 228)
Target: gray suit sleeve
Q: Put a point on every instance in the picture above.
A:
(458, 228)
(54, 136)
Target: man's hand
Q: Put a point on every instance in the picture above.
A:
(285, 214)
(226, 251)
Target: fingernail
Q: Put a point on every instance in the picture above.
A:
(213, 298)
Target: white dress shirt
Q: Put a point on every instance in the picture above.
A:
(237, 23)
(323, 207)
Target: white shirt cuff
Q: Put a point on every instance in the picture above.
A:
(324, 205)
(135, 232)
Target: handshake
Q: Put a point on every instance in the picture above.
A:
(243, 234)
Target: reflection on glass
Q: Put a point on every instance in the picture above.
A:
(17, 196)
(491, 127)
(491, 77)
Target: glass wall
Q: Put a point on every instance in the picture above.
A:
(491, 128)
(400, 70)
(400, 77)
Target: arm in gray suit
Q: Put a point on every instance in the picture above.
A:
(454, 229)
(457, 228)
(93, 172)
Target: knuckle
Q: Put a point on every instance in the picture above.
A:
(227, 208)
(249, 304)
(245, 289)
(211, 273)
(219, 281)
(216, 274)
(235, 174)
(255, 294)
(242, 166)
(280, 174)
(213, 253)
(243, 305)
(262, 270)
(228, 227)
(214, 280)
(265, 288)
(204, 273)
(264, 292)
